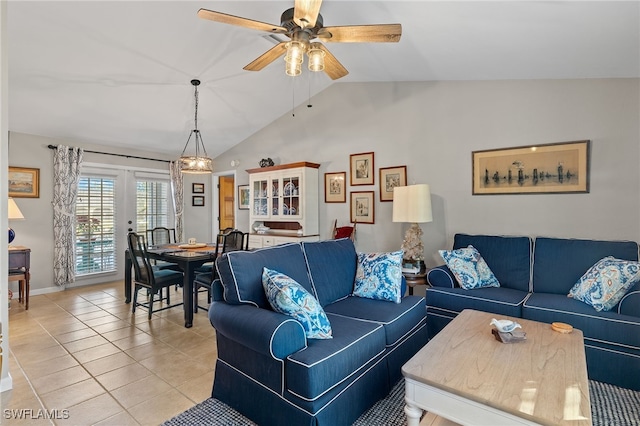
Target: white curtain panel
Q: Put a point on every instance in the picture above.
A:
(177, 186)
(66, 173)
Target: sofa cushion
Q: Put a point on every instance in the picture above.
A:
(398, 319)
(379, 276)
(559, 262)
(332, 268)
(288, 297)
(508, 257)
(469, 268)
(600, 326)
(324, 364)
(241, 272)
(606, 283)
(499, 300)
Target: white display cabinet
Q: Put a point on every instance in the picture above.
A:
(283, 204)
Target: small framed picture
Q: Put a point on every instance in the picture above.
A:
(243, 197)
(197, 188)
(362, 207)
(334, 187)
(361, 169)
(24, 182)
(197, 201)
(390, 177)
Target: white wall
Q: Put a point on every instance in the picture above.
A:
(432, 127)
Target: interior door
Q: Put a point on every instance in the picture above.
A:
(226, 202)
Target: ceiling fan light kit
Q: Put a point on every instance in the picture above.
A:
(200, 162)
(302, 24)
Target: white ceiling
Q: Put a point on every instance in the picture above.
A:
(118, 72)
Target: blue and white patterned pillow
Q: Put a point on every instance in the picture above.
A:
(469, 268)
(606, 283)
(379, 276)
(287, 296)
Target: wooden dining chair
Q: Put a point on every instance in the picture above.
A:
(161, 235)
(234, 241)
(343, 231)
(150, 277)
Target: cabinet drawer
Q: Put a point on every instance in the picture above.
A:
(255, 241)
(268, 241)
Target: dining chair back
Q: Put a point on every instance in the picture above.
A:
(344, 231)
(206, 275)
(235, 241)
(161, 235)
(147, 276)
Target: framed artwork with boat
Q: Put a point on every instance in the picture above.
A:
(535, 169)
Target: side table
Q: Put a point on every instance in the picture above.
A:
(419, 278)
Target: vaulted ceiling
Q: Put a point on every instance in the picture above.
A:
(118, 72)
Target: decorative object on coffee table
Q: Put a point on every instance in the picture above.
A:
(412, 204)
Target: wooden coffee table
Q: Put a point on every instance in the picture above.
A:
(465, 375)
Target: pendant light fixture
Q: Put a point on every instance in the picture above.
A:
(200, 162)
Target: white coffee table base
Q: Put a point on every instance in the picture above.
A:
(420, 396)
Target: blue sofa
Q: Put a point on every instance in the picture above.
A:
(535, 277)
(271, 373)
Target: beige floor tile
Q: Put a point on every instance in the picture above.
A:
(101, 320)
(49, 366)
(60, 379)
(96, 352)
(31, 357)
(133, 341)
(175, 368)
(198, 389)
(121, 419)
(75, 335)
(72, 395)
(108, 363)
(111, 326)
(121, 333)
(160, 408)
(92, 411)
(122, 376)
(154, 348)
(91, 315)
(142, 390)
(86, 343)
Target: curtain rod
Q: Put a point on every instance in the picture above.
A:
(116, 155)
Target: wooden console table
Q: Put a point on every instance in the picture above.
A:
(19, 262)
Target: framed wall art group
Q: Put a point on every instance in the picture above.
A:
(362, 172)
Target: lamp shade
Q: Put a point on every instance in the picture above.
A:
(14, 210)
(412, 204)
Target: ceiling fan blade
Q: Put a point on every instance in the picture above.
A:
(382, 33)
(305, 12)
(332, 67)
(267, 57)
(241, 22)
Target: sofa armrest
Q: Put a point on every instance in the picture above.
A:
(441, 276)
(261, 330)
(630, 303)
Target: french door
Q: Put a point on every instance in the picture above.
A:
(110, 202)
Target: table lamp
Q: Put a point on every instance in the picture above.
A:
(14, 214)
(412, 204)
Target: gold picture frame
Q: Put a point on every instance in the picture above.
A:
(335, 187)
(24, 182)
(390, 177)
(243, 197)
(362, 207)
(361, 169)
(561, 167)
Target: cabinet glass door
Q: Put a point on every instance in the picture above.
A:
(259, 200)
(291, 196)
(275, 194)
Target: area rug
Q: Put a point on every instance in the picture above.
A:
(610, 406)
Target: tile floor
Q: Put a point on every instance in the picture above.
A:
(82, 350)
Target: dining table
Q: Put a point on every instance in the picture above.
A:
(188, 257)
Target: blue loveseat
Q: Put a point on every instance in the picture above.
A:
(535, 277)
(271, 373)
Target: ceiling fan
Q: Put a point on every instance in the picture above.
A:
(303, 24)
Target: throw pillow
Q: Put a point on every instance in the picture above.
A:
(287, 296)
(379, 276)
(469, 268)
(606, 283)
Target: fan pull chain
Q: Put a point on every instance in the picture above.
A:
(309, 96)
(293, 98)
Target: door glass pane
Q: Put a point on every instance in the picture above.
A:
(95, 225)
(152, 205)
